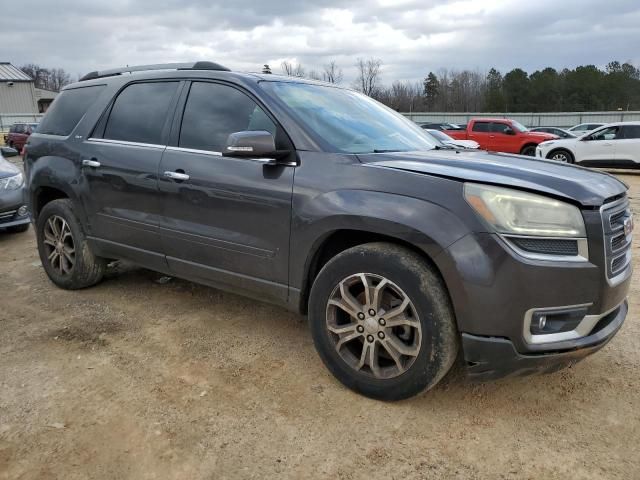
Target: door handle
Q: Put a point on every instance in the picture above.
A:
(176, 175)
(90, 163)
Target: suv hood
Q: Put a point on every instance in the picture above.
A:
(7, 169)
(577, 184)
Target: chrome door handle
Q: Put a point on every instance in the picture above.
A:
(90, 163)
(176, 175)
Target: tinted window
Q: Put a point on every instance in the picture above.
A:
(213, 112)
(631, 131)
(67, 110)
(140, 112)
(481, 127)
(499, 127)
(610, 133)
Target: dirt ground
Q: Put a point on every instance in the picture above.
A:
(138, 379)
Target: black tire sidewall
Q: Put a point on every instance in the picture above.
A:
(411, 274)
(531, 149)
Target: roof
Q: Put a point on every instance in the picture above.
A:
(9, 73)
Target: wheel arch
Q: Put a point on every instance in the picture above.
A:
(334, 242)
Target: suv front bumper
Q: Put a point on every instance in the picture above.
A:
(10, 208)
(489, 358)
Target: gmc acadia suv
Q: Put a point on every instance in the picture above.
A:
(324, 201)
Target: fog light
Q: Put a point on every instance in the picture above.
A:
(542, 322)
(22, 211)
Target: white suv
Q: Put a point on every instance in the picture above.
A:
(615, 144)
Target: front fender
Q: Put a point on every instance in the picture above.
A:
(427, 226)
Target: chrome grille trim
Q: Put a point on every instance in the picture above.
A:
(617, 253)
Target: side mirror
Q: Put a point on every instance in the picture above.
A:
(250, 143)
(9, 152)
(509, 131)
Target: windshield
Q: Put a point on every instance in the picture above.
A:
(519, 126)
(348, 121)
(443, 137)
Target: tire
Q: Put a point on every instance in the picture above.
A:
(529, 151)
(18, 228)
(74, 266)
(561, 155)
(424, 330)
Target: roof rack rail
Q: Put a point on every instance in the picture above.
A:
(161, 66)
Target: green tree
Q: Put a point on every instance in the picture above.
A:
(545, 91)
(431, 90)
(494, 97)
(516, 90)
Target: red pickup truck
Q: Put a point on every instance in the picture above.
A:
(502, 135)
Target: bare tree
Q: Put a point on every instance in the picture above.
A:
(314, 75)
(332, 73)
(292, 70)
(49, 79)
(368, 75)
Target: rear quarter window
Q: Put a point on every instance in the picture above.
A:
(67, 110)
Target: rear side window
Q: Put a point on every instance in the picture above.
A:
(67, 110)
(214, 111)
(140, 112)
(481, 127)
(631, 131)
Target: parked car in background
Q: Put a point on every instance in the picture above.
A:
(440, 126)
(442, 139)
(501, 135)
(615, 144)
(19, 134)
(323, 201)
(14, 215)
(583, 128)
(560, 132)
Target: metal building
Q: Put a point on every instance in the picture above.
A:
(18, 94)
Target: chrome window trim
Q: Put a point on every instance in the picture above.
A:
(195, 150)
(582, 329)
(583, 249)
(125, 143)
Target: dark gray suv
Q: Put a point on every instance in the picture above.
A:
(324, 201)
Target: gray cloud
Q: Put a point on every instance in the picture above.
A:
(411, 37)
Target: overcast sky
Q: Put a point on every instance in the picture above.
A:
(410, 37)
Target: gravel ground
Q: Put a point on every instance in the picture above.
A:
(140, 379)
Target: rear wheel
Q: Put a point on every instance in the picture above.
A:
(382, 322)
(561, 156)
(64, 251)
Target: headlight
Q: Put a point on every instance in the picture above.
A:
(519, 213)
(547, 143)
(11, 183)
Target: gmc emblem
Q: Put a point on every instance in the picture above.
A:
(628, 225)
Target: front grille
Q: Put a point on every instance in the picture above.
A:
(7, 216)
(547, 246)
(617, 244)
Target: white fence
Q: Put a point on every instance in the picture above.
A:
(550, 119)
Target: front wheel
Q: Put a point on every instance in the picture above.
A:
(382, 322)
(529, 151)
(561, 156)
(63, 248)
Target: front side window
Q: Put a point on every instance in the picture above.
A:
(215, 111)
(610, 133)
(347, 121)
(67, 109)
(500, 127)
(140, 112)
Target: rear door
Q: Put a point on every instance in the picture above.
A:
(628, 144)
(120, 164)
(226, 223)
(480, 132)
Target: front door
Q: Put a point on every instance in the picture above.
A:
(600, 146)
(480, 133)
(225, 221)
(120, 165)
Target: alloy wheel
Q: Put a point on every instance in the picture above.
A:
(59, 246)
(560, 157)
(374, 325)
